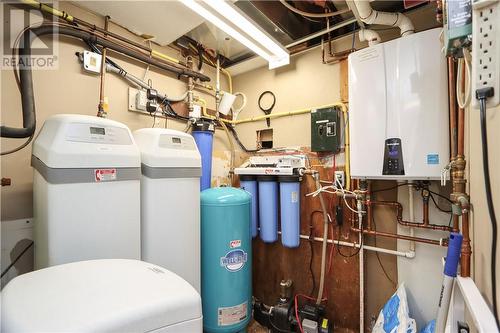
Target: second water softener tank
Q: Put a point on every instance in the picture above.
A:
(226, 262)
(170, 201)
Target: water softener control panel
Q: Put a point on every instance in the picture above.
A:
(97, 133)
(172, 141)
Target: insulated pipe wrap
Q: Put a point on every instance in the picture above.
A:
(26, 79)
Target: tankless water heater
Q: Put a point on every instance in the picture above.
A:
(398, 109)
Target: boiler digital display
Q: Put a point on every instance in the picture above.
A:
(176, 140)
(97, 130)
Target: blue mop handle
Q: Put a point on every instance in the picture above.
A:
(450, 272)
(453, 255)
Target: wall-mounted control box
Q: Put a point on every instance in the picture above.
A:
(325, 130)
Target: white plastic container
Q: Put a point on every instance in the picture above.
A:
(398, 109)
(112, 295)
(170, 201)
(86, 191)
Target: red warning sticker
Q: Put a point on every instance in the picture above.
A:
(105, 175)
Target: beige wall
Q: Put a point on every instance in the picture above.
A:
(70, 90)
(480, 221)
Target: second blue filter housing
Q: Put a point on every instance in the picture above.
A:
(226, 260)
(290, 210)
(249, 184)
(268, 208)
(203, 133)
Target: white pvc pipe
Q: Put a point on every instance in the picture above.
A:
(371, 36)
(371, 16)
(406, 254)
(359, 207)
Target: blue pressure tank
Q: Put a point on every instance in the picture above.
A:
(203, 133)
(249, 184)
(290, 210)
(226, 260)
(268, 208)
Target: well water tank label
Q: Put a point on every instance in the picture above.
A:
(232, 315)
(234, 260)
(105, 175)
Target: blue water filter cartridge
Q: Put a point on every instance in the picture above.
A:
(203, 133)
(249, 184)
(290, 210)
(268, 208)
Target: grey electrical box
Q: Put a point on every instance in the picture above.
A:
(325, 130)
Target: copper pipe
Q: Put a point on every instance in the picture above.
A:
(439, 11)
(466, 250)
(100, 108)
(461, 119)
(452, 100)
(425, 213)
(398, 236)
(399, 216)
(455, 223)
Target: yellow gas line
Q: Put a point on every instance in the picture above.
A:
(48, 9)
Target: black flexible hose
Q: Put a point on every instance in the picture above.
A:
(26, 78)
(16, 259)
(491, 208)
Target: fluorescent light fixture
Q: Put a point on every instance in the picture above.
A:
(250, 36)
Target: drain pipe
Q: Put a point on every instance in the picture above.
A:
(370, 16)
(371, 36)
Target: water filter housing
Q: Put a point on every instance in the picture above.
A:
(86, 191)
(226, 261)
(170, 201)
(398, 109)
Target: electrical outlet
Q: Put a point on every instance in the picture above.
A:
(486, 48)
(340, 177)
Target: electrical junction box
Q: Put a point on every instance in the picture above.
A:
(92, 62)
(325, 130)
(458, 25)
(398, 109)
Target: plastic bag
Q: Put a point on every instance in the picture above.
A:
(394, 316)
(431, 326)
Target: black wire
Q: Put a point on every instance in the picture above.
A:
(378, 257)
(353, 35)
(19, 147)
(236, 137)
(437, 206)
(393, 187)
(17, 259)
(491, 209)
(440, 195)
(350, 255)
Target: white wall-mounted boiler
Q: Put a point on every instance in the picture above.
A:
(398, 109)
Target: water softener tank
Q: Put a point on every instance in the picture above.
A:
(86, 191)
(268, 208)
(290, 210)
(249, 184)
(203, 133)
(226, 262)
